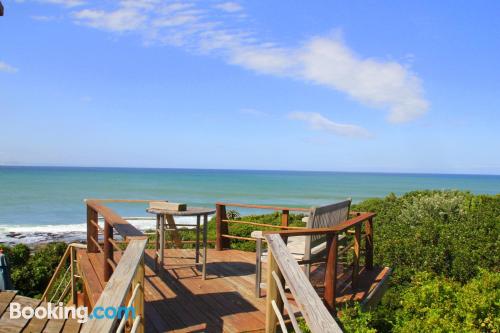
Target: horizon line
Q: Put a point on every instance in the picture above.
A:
(236, 169)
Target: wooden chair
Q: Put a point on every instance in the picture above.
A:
(306, 249)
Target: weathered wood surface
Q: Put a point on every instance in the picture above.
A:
(171, 206)
(310, 304)
(290, 209)
(118, 286)
(178, 300)
(190, 211)
(125, 229)
(5, 299)
(272, 294)
(33, 325)
(319, 231)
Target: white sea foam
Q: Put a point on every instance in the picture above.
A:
(32, 234)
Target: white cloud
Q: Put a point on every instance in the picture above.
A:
(4, 67)
(318, 122)
(175, 21)
(230, 7)
(123, 19)
(330, 62)
(324, 60)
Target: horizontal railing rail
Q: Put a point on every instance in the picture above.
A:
(284, 269)
(332, 247)
(127, 279)
(59, 282)
(223, 238)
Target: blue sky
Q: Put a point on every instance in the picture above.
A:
(390, 86)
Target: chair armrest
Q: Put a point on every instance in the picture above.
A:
(257, 234)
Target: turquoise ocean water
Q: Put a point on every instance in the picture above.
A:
(40, 200)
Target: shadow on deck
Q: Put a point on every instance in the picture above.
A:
(178, 299)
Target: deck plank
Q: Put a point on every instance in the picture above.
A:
(5, 299)
(71, 326)
(10, 325)
(54, 326)
(36, 325)
(179, 300)
(89, 275)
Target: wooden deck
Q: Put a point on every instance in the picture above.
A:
(179, 300)
(34, 325)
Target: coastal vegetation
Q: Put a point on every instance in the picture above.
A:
(31, 270)
(443, 247)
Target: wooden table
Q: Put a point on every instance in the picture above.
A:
(166, 215)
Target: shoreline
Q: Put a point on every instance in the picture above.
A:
(69, 233)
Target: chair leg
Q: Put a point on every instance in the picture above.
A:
(307, 270)
(258, 267)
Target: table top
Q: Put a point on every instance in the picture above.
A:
(190, 211)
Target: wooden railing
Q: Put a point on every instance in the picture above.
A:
(284, 269)
(332, 240)
(223, 239)
(125, 279)
(112, 221)
(353, 226)
(64, 279)
(126, 282)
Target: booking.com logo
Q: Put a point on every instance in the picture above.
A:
(81, 314)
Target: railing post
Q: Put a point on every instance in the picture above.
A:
(369, 244)
(72, 258)
(92, 231)
(285, 218)
(139, 299)
(108, 250)
(331, 270)
(272, 294)
(221, 227)
(356, 247)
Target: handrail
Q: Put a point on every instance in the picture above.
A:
(283, 265)
(319, 231)
(69, 253)
(124, 277)
(333, 249)
(126, 200)
(128, 274)
(292, 209)
(124, 228)
(112, 221)
(222, 229)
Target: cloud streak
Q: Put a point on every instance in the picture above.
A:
(221, 30)
(318, 122)
(5, 67)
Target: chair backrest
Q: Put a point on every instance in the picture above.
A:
(325, 217)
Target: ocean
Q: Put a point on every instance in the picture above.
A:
(42, 203)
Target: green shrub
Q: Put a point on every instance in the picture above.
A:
(31, 273)
(446, 232)
(244, 230)
(441, 305)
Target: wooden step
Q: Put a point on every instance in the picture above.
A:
(90, 276)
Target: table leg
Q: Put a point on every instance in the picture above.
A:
(197, 239)
(205, 225)
(157, 241)
(162, 239)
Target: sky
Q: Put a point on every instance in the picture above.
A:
(380, 86)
